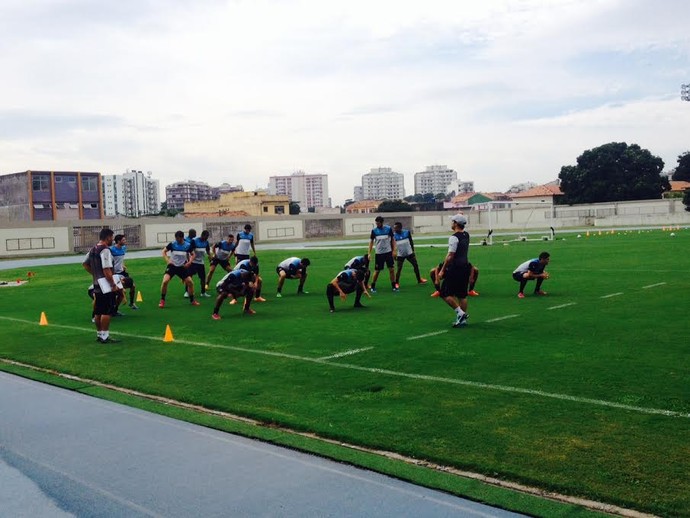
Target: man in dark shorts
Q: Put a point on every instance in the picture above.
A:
(455, 271)
(245, 244)
(347, 281)
(178, 255)
(119, 249)
(235, 284)
(222, 251)
(383, 243)
(405, 248)
(360, 262)
(252, 264)
(99, 263)
(202, 249)
(532, 270)
(292, 268)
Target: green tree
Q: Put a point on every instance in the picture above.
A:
(394, 206)
(682, 172)
(613, 172)
(294, 208)
(686, 199)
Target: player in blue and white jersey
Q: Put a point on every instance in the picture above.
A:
(222, 252)
(245, 244)
(347, 281)
(532, 270)
(360, 262)
(178, 256)
(455, 271)
(383, 243)
(202, 249)
(405, 247)
(292, 268)
(252, 265)
(119, 249)
(237, 283)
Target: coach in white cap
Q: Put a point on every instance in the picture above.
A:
(455, 271)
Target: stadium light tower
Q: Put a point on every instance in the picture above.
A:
(685, 92)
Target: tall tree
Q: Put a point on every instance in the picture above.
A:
(294, 208)
(682, 172)
(686, 199)
(613, 172)
(394, 206)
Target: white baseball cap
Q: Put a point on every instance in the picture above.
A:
(460, 219)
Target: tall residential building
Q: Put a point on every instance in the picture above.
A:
(382, 183)
(132, 194)
(434, 180)
(180, 192)
(310, 191)
(358, 194)
(50, 196)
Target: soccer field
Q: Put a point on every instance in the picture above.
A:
(584, 392)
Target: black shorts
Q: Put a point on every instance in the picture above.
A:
(196, 268)
(289, 274)
(224, 263)
(518, 276)
(236, 290)
(456, 281)
(180, 271)
(105, 303)
(240, 257)
(382, 259)
(401, 260)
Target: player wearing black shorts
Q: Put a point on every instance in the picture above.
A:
(382, 242)
(237, 283)
(222, 251)
(455, 271)
(178, 255)
(347, 281)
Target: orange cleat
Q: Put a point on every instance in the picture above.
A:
(436, 294)
(249, 311)
(260, 299)
(473, 293)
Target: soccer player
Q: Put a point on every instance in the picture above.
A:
(99, 263)
(222, 251)
(237, 283)
(178, 256)
(347, 281)
(405, 248)
(474, 275)
(455, 270)
(202, 249)
(360, 262)
(382, 241)
(532, 270)
(292, 268)
(119, 249)
(245, 243)
(252, 265)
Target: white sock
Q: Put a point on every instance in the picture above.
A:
(459, 311)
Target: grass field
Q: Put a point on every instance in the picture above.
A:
(585, 392)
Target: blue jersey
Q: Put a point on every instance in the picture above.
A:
(245, 240)
(291, 265)
(247, 265)
(118, 258)
(201, 248)
(403, 243)
(224, 250)
(179, 253)
(361, 261)
(533, 265)
(382, 238)
(235, 278)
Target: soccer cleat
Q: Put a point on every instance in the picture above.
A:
(396, 289)
(279, 295)
(249, 311)
(436, 294)
(423, 281)
(204, 294)
(521, 295)
(194, 303)
(302, 292)
(260, 299)
(232, 301)
(332, 310)
(372, 289)
(473, 293)
(133, 306)
(186, 295)
(539, 292)
(215, 316)
(461, 320)
(161, 304)
(108, 340)
(397, 286)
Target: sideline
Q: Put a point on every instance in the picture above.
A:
(398, 374)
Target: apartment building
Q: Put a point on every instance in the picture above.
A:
(132, 194)
(434, 179)
(310, 191)
(178, 193)
(382, 183)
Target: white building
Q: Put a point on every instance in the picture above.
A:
(459, 187)
(132, 194)
(310, 191)
(434, 180)
(382, 183)
(358, 194)
(178, 193)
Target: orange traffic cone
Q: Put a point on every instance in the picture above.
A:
(168, 334)
(44, 320)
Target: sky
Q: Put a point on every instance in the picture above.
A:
(502, 91)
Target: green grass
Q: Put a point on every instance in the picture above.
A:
(491, 398)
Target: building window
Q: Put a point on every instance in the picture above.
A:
(40, 183)
(89, 184)
(265, 209)
(279, 209)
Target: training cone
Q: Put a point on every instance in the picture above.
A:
(139, 297)
(168, 334)
(44, 320)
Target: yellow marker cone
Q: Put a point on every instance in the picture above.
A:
(600, 232)
(139, 297)
(168, 334)
(588, 233)
(44, 320)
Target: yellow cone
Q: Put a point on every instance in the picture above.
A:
(168, 334)
(139, 297)
(44, 320)
(588, 233)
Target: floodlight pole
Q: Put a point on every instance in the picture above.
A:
(685, 92)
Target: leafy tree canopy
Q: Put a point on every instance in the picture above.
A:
(682, 172)
(613, 172)
(294, 208)
(686, 199)
(394, 206)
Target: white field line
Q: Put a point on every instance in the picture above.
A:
(563, 305)
(374, 370)
(427, 335)
(611, 295)
(502, 318)
(653, 285)
(346, 353)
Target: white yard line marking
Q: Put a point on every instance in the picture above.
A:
(346, 353)
(611, 295)
(427, 335)
(502, 318)
(653, 285)
(407, 375)
(563, 305)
